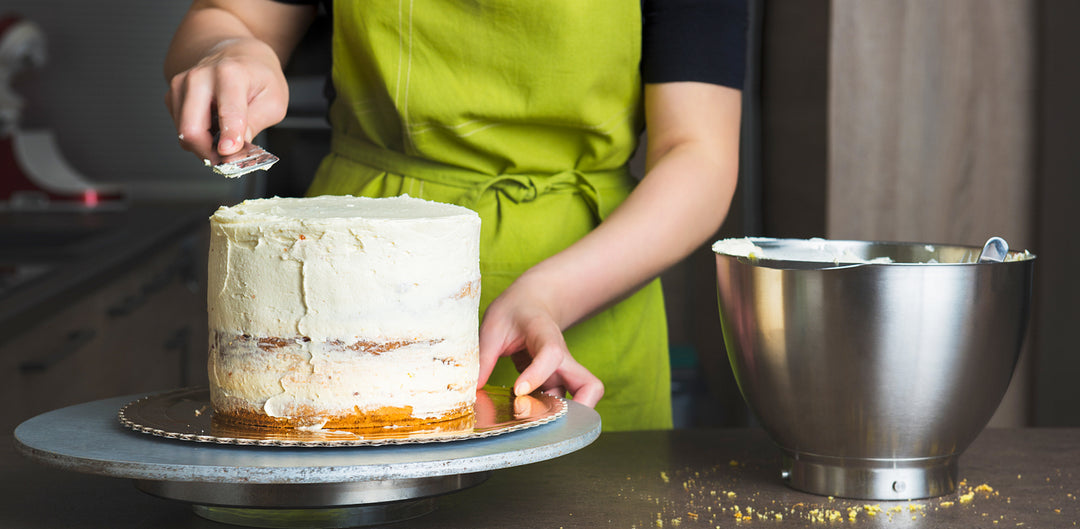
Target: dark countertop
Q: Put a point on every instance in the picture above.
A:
(679, 478)
(75, 252)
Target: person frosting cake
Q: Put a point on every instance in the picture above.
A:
(343, 312)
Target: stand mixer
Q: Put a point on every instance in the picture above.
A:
(33, 173)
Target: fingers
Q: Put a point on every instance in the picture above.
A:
(555, 371)
(491, 348)
(203, 91)
(191, 101)
(235, 93)
(544, 341)
(513, 326)
(232, 110)
(585, 387)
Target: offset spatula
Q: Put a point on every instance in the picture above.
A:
(250, 158)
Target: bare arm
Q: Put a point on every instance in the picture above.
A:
(225, 61)
(691, 170)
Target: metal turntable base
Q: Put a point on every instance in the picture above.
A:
(283, 487)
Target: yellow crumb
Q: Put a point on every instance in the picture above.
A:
(984, 488)
(733, 463)
(946, 504)
(663, 476)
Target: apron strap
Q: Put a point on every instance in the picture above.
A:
(519, 188)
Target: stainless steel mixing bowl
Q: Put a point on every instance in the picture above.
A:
(872, 378)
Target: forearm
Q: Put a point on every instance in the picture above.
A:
(692, 167)
(270, 25)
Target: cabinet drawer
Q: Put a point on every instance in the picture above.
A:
(143, 331)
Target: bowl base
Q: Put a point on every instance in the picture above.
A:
(870, 479)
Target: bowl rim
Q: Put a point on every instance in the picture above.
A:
(1014, 256)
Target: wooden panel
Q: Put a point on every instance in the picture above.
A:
(1057, 283)
(931, 127)
(930, 134)
(794, 120)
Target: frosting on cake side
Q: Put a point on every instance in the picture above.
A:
(343, 311)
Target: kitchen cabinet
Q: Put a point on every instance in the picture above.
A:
(137, 326)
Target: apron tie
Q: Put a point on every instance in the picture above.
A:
(526, 188)
(520, 188)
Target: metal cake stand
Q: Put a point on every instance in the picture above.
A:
(286, 487)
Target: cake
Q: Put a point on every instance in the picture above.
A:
(343, 312)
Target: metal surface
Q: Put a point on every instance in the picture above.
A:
(329, 518)
(630, 479)
(868, 375)
(313, 505)
(888, 479)
(341, 483)
(308, 495)
(248, 159)
(994, 251)
(186, 414)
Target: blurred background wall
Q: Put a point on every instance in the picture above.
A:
(877, 119)
(939, 122)
(102, 92)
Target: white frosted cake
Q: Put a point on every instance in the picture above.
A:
(343, 312)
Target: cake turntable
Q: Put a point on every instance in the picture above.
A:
(297, 483)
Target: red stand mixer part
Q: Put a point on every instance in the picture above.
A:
(17, 188)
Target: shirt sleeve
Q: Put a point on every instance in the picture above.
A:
(694, 40)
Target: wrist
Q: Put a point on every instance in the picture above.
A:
(542, 286)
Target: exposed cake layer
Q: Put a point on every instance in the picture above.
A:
(343, 306)
(304, 382)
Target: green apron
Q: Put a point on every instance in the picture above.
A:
(525, 111)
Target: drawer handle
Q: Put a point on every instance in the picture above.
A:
(75, 340)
